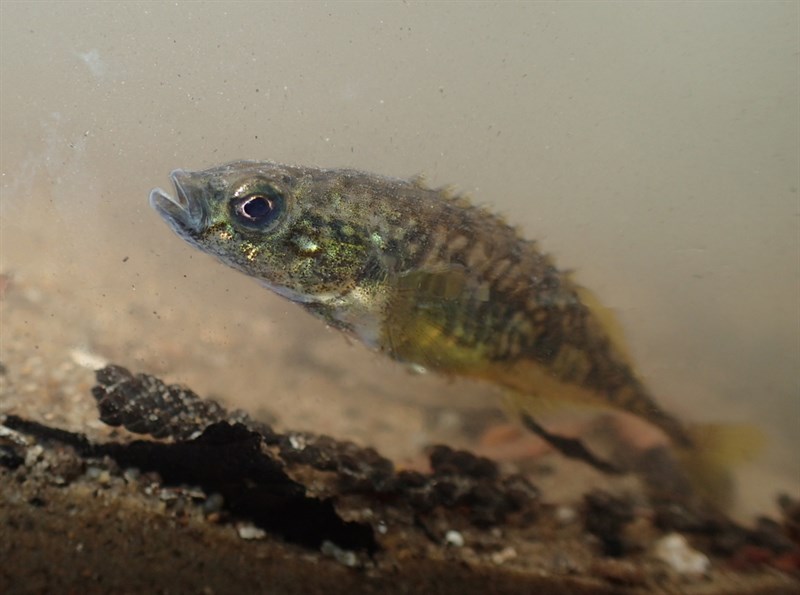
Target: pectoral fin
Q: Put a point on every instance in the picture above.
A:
(416, 325)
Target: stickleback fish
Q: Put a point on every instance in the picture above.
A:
(425, 277)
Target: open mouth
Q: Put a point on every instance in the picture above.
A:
(184, 211)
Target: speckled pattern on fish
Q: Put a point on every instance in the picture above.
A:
(417, 273)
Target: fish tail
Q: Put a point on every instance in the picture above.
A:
(715, 450)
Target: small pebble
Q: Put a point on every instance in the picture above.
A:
(566, 515)
(32, 455)
(167, 495)
(504, 555)
(675, 551)
(87, 359)
(297, 442)
(250, 532)
(454, 538)
(344, 557)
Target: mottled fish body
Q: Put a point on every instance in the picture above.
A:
(417, 273)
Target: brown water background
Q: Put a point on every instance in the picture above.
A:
(652, 147)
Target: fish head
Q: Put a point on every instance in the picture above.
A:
(283, 225)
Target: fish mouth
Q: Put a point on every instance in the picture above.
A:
(184, 212)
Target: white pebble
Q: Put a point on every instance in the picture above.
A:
(86, 359)
(454, 538)
(250, 532)
(32, 455)
(675, 551)
(298, 442)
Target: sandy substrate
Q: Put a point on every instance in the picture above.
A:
(237, 506)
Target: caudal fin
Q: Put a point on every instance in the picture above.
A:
(715, 451)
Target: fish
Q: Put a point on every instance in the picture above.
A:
(428, 278)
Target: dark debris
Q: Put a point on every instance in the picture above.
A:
(244, 466)
(459, 481)
(10, 457)
(245, 462)
(227, 460)
(143, 404)
(606, 518)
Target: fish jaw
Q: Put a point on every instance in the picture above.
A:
(185, 213)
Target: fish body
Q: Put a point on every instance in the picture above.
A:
(417, 273)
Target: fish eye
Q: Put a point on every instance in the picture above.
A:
(258, 209)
